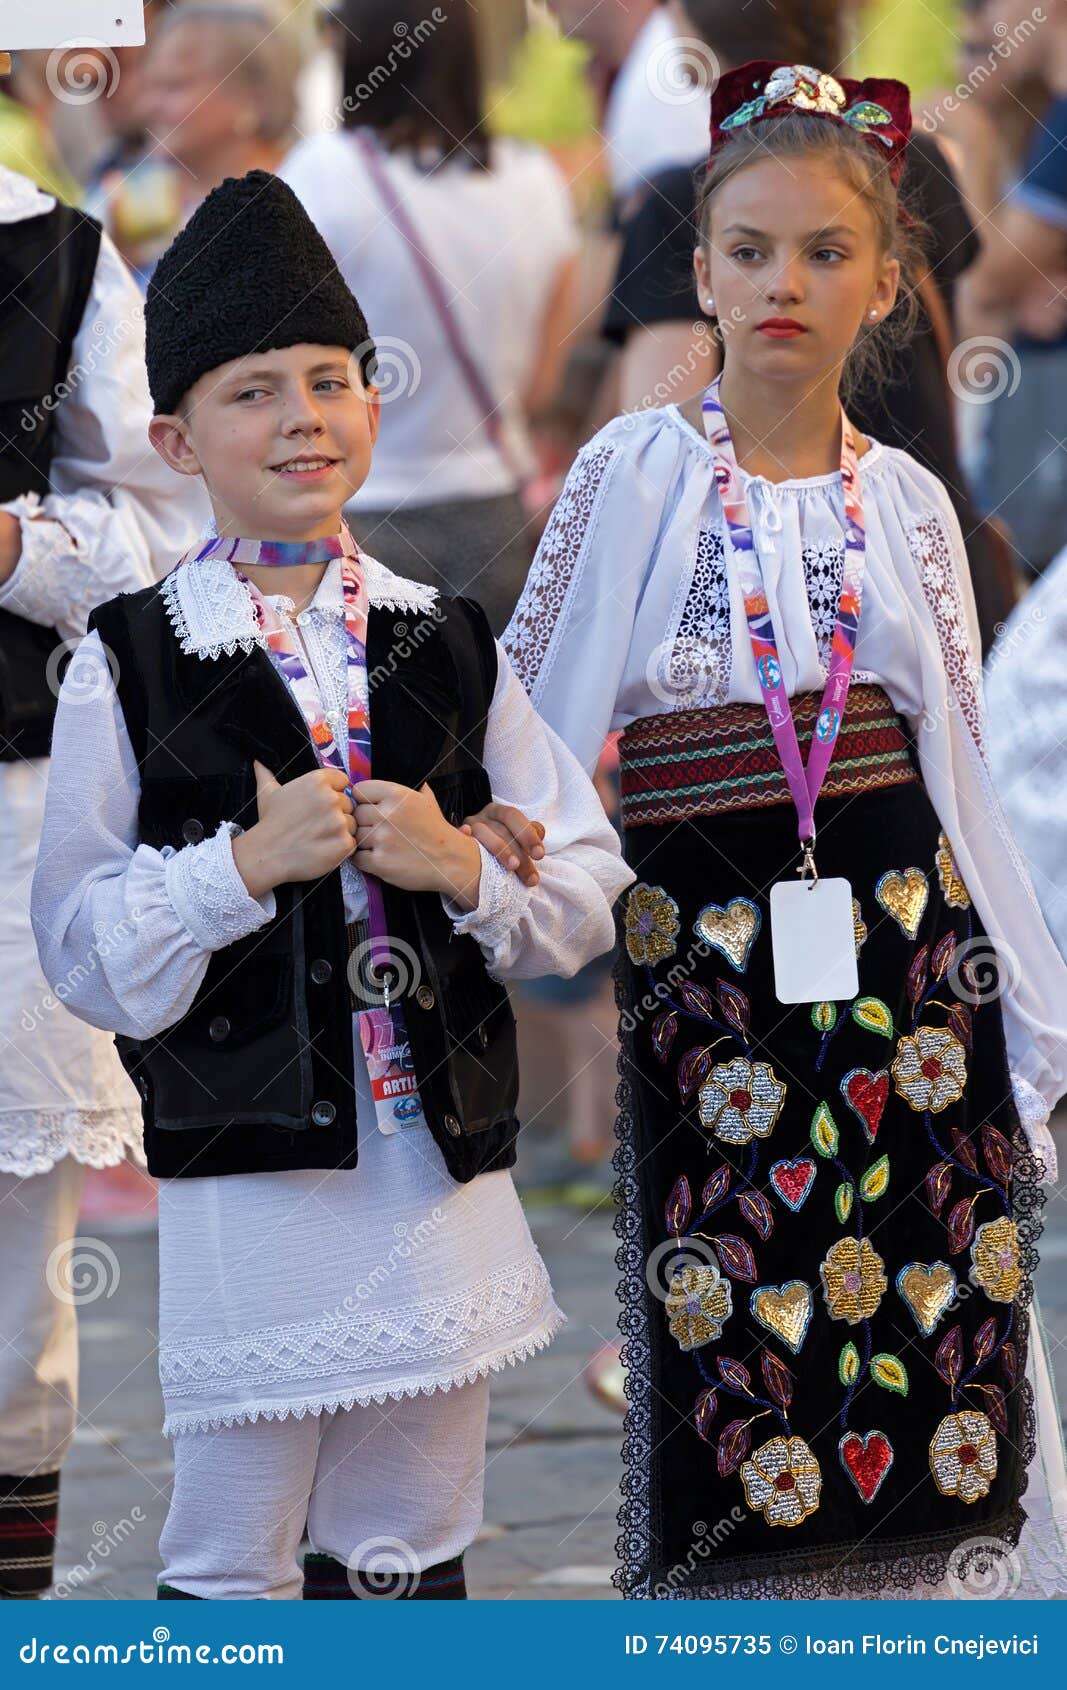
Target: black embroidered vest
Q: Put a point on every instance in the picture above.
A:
(259, 1074)
(47, 265)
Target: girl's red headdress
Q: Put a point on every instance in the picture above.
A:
(877, 108)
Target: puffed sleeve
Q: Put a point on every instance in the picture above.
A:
(1028, 973)
(124, 932)
(566, 920)
(117, 518)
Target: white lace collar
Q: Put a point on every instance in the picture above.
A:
(211, 611)
(20, 198)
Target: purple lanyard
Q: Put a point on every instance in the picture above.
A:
(280, 639)
(805, 784)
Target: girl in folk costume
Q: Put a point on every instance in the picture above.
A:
(312, 1007)
(839, 1002)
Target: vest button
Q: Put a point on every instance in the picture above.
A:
(321, 971)
(425, 998)
(452, 1126)
(323, 1114)
(483, 1036)
(192, 831)
(218, 1029)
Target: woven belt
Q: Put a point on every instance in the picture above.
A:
(710, 762)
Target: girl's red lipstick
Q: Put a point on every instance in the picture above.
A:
(780, 328)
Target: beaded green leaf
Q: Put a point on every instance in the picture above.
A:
(848, 1365)
(824, 1134)
(875, 1181)
(890, 1372)
(843, 1202)
(873, 1014)
(823, 1017)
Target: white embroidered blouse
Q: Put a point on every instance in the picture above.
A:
(631, 609)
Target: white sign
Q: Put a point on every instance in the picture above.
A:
(70, 23)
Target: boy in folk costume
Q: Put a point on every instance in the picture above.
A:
(85, 512)
(312, 1007)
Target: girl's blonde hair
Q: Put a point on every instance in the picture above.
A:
(873, 354)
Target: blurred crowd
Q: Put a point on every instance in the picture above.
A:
(523, 287)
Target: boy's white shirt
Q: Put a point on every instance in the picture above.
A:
(130, 930)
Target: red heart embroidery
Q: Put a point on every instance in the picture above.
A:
(866, 1460)
(792, 1180)
(866, 1094)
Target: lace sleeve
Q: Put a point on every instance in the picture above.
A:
(954, 615)
(533, 633)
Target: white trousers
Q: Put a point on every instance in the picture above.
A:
(38, 1318)
(393, 1487)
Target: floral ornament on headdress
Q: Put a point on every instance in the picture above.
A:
(877, 108)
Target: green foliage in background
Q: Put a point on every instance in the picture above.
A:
(912, 39)
(548, 99)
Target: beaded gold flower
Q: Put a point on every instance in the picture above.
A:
(995, 1260)
(853, 1279)
(697, 1304)
(930, 1068)
(782, 1477)
(859, 926)
(955, 892)
(742, 1100)
(963, 1455)
(652, 923)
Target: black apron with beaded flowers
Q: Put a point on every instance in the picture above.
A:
(827, 1211)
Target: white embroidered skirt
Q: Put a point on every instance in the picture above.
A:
(290, 1293)
(63, 1090)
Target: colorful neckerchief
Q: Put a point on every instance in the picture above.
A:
(273, 554)
(804, 783)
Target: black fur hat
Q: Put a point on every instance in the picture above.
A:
(248, 273)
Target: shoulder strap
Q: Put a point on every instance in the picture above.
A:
(477, 385)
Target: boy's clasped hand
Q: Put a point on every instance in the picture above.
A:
(308, 826)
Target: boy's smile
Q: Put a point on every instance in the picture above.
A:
(283, 439)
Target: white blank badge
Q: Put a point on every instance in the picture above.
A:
(813, 941)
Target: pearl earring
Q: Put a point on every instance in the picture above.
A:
(872, 315)
(711, 304)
